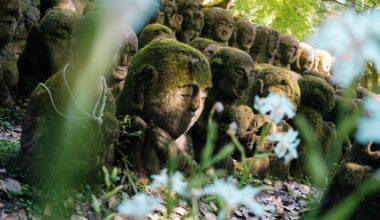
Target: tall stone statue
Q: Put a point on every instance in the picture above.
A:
(63, 140)
(164, 93)
(265, 45)
(222, 27)
(193, 20)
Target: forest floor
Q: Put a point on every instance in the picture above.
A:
(282, 199)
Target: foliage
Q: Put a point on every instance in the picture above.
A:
(8, 151)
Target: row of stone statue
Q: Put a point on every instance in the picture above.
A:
(168, 89)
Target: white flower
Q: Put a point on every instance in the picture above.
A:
(369, 125)
(233, 127)
(352, 38)
(219, 107)
(276, 105)
(233, 197)
(287, 144)
(175, 182)
(139, 205)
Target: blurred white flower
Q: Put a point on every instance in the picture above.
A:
(287, 144)
(369, 125)
(278, 106)
(233, 197)
(139, 205)
(219, 107)
(352, 39)
(175, 182)
(233, 127)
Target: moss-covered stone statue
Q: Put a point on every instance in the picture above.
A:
(164, 93)
(317, 99)
(65, 141)
(288, 47)
(124, 58)
(305, 59)
(233, 75)
(154, 31)
(76, 6)
(10, 12)
(168, 15)
(206, 46)
(265, 45)
(209, 17)
(324, 61)
(222, 27)
(358, 166)
(47, 49)
(193, 20)
(244, 35)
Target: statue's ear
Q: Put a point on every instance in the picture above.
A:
(145, 79)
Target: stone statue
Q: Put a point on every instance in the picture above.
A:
(76, 6)
(287, 51)
(209, 17)
(124, 58)
(47, 49)
(30, 17)
(358, 166)
(233, 75)
(265, 45)
(223, 27)
(317, 98)
(168, 15)
(206, 46)
(323, 62)
(8, 83)
(164, 93)
(63, 140)
(305, 59)
(154, 31)
(244, 35)
(193, 20)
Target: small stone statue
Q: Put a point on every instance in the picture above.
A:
(63, 140)
(154, 31)
(124, 59)
(287, 51)
(206, 46)
(222, 27)
(323, 62)
(193, 20)
(47, 49)
(209, 17)
(265, 45)
(164, 93)
(168, 15)
(244, 35)
(305, 59)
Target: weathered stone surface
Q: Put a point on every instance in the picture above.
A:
(244, 35)
(265, 45)
(154, 31)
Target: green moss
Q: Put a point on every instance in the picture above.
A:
(154, 31)
(177, 65)
(9, 73)
(201, 43)
(277, 80)
(229, 56)
(316, 93)
(8, 151)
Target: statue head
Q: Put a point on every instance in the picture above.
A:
(10, 11)
(323, 62)
(166, 85)
(206, 46)
(76, 6)
(209, 17)
(223, 26)
(233, 72)
(191, 11)
(168, 7)
(306, 57)
(287, 49)
(154, 31)
(272, 79)
(265, 45)
(245, 34)
(128, 49)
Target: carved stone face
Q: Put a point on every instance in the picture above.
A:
(193, 18)
(10, 11)
(324, 62)
(246, 34)
(223, 26)
(272, 42)
(307, 60)
(233, 71)
(288, 49)
(125, 55)
(177, 109)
